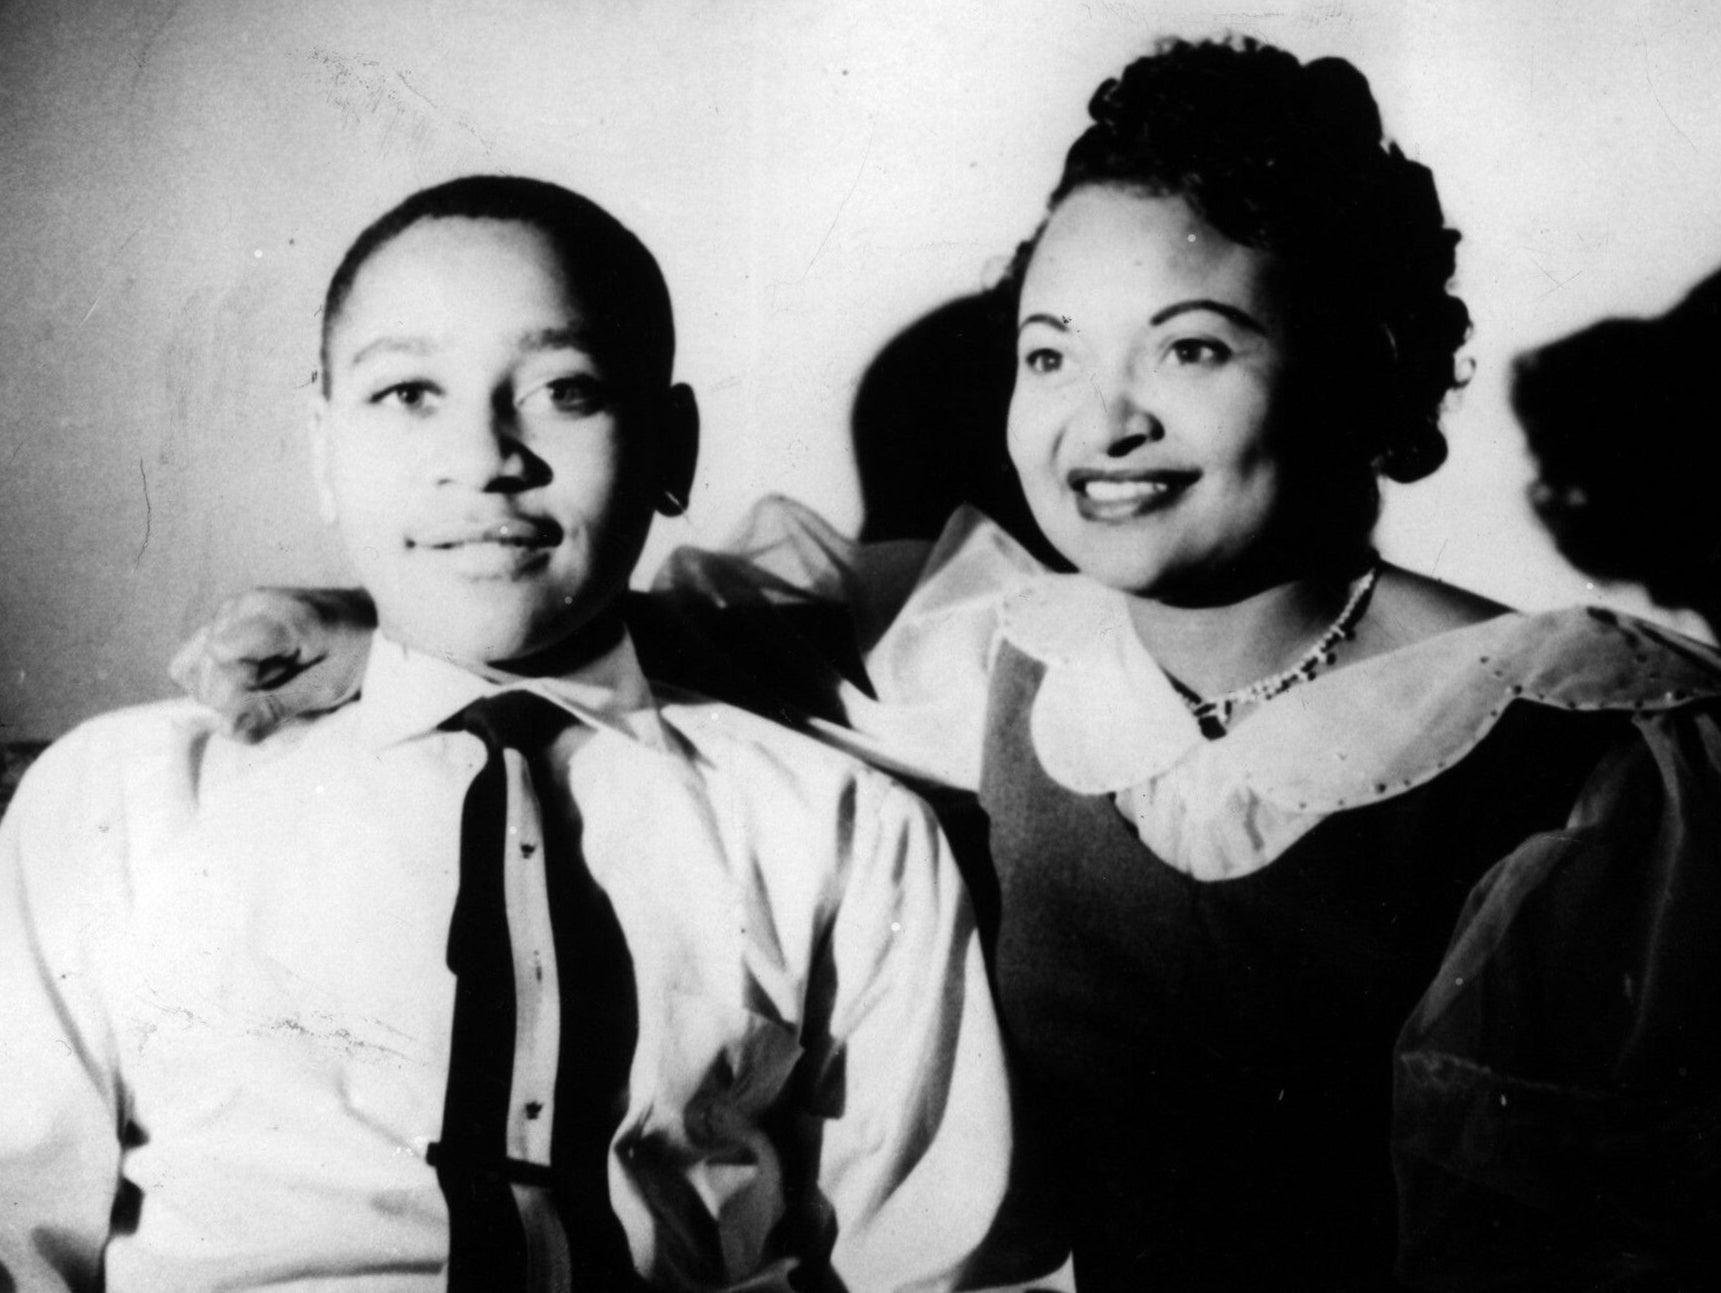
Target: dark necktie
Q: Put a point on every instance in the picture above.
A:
(543, 1030)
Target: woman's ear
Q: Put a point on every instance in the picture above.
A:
(317, 437)
(678, 449)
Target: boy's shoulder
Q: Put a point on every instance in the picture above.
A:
(759, 756)
(167, 748)
(811, 824)
(91, 782)
(721, 732)
(120, 736)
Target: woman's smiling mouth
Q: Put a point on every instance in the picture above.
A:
(1117, 496)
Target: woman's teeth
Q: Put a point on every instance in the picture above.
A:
(1122, 491)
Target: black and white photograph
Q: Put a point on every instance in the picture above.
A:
(1045, 646)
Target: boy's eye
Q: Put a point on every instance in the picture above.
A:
(580, 395)
(414, 397)
(1199, 350)
(1043, 360)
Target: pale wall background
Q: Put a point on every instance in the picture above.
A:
(178, 179)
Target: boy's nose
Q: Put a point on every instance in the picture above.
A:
(482, 450)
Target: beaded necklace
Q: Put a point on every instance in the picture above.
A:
(1214, 715)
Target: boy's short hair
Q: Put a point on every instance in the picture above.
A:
(621, 286)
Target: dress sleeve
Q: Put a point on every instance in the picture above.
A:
(1558, 1089)
(59, 1097)
(902, 682)
(915, 1147)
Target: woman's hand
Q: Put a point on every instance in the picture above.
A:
(272, 654)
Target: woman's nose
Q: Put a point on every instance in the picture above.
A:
(1127, 422)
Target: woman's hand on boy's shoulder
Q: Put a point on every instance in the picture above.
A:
(272, 654)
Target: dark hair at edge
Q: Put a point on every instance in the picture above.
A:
(618, 279)
(1290, 158)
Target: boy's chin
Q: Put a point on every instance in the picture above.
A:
(527, 646)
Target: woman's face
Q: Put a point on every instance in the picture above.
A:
(1147, 416)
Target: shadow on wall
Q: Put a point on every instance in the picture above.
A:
(1621, 419)
(15, 758)
(929, 425)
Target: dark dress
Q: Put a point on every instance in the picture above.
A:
(1206, 1066)
(1425, 984)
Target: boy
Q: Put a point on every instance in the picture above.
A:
(713, 1012)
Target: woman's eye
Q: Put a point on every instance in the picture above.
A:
(414, 397)
(1042, 361)
(1199, 350)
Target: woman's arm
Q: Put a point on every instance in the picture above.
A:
(1557, 1089)
(271, 654)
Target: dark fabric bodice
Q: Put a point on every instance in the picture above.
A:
(1205, 1067)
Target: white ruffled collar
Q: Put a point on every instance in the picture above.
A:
(1105, 716)
(1107, 719)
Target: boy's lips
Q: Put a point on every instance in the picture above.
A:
(497, 548)
(1123, 495)
(510, 531)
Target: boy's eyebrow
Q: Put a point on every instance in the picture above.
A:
(565, 337)
(392, 345)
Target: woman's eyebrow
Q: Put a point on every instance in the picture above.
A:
(1242, 318)
(1058, 321)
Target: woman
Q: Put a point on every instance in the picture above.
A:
(1246, 783)
(1234, 319)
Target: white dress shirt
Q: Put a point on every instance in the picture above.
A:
(224, 1007)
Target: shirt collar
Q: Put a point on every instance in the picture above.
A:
(1106, 717)
(407, 693)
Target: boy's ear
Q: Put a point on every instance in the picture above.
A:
(317, 435)
(678, 449)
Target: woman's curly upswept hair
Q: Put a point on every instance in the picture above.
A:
(1289, 157)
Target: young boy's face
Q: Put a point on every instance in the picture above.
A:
(492, 479)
